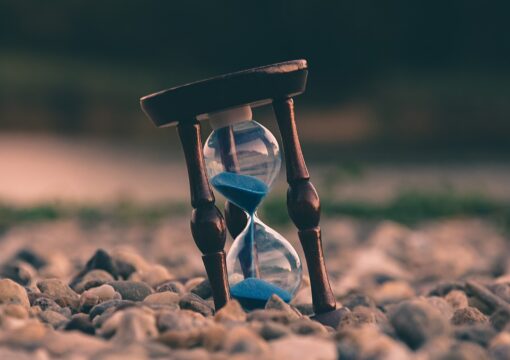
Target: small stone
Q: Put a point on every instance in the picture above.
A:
(102, 307)
(32, 258)
(13, 293)
(231, 312)
(305, 309)
(457, 299)
(273, 330)
(153, 275)
(172, 286)
(17, 311)
(191, 283)
(45, 303)
(360, 316)
(480, 334)
(480, 305)
(60, 292)
(131, 325)
(440, 304)
(499, 319)
(353, 300)
(81, 322)
(465, 351)
(244, 341)
(276, 303)
(279, 316)
(181, 321)
(501, 290)
(468, 316)
(131, 290)
(444, 288)
(195, 303)
(393, 292)
(302, 347)
(203, 289)
(53, 318)
(128, 261)
(163, 298)
(73, 345)
(416, 322)
(307, 327)
(18, 271)
(93, 278)
(28, 334)
(94, 296)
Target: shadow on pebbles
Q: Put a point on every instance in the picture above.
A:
(439, 291)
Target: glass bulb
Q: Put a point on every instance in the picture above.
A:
(243, 160)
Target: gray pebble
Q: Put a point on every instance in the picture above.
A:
(195, 303)
(131, 290)
(18, 271)
(305, 309)
(307, 327)
(102, 307)
(499, 319)
(92, 279)
(203, 289)
(81, 322)
(416, 322)
(172, 286)
(465, 351)
(244, 341)
(278, 316)
(356, 299)
(183, 320)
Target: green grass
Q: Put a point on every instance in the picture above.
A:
(407, 208)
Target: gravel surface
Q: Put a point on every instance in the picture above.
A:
(129, 291)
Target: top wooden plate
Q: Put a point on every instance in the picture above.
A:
(255, 87)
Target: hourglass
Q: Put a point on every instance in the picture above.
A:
(241, 160)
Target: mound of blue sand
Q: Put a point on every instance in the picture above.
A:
(243, 190)
(253, 293)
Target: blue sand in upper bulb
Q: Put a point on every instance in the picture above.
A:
(243, 190)
(257, 290)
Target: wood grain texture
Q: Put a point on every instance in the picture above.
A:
(303, 205)
(207, 223)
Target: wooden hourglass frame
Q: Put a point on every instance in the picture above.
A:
(184, 106)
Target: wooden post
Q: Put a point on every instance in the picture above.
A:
(304, 207)
(207, 223)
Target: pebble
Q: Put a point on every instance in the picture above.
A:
(96, 295)
(45, 303)
(73, 345)
(262, 315)
(360, 316)
(276, 303)
(416, 322)
(181, 321)
(468, 316)
(153, 275)
(115, 304)
(17, 311)
(131, 325)
(231, 312)
(62, 294)
(53, 318)
(465, 351)
(128, 261)
(442, 305)
(163, 298)
(203, 289)
(172, 286)
(244, 341)
(91, 279)
(307, 327)
(195, 303)
(13, 293)
(19, 271)
(304, 309)
(302, 347)
(131, 290)
(31, 257)
(353, 300)
(480, 334)
(270, 330)
(82, 323)
(499, 319)
(457, 299)
(191, 283)
(393, 292)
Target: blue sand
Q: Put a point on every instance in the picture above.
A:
(255, 292)
(246, 192)
(243, 190)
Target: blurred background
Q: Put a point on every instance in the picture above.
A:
(405, 115)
